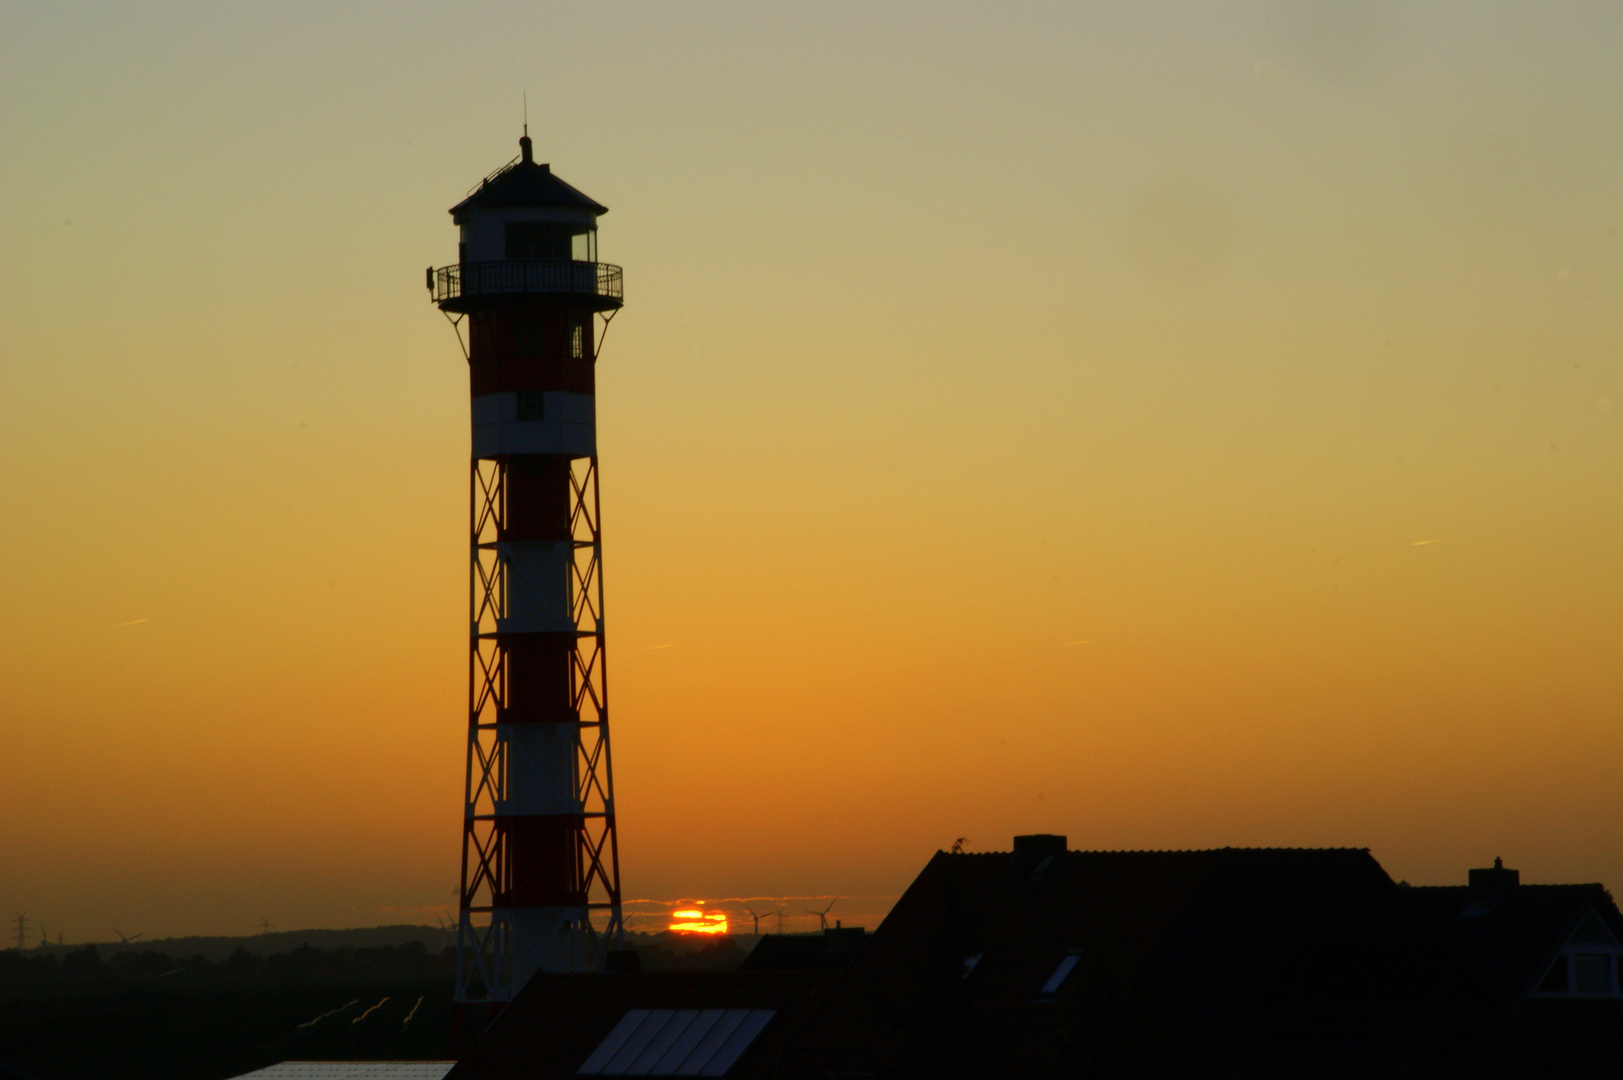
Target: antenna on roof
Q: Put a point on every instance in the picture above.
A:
(524, 143)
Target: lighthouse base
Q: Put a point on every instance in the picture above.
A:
(497, 959)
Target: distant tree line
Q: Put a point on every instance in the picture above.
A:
(70, 1014)
(84, 968)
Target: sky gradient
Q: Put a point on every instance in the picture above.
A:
(1171, 425)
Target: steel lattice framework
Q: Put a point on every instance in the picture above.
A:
(485, 952)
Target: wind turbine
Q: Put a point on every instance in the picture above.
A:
(757, 917)
(22, 929)
(780, 918)
(264, 926)
(125, 940)
(822, 916)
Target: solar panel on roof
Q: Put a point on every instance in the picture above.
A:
(648, 1026)
(712, 1041)
(676, 1025)
(676, 1042)
(703, 1021)
(739, 1041)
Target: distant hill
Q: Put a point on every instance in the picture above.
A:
(217, 949)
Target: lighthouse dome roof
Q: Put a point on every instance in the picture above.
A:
(526, 182)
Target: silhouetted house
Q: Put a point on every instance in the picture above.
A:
(1548, 955)
(1278, 963)
(1045, 962)
(830, 950)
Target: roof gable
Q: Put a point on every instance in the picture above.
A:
(1590, 930)
(1508, 939)
(978, 959)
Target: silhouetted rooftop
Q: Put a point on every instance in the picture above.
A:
(526, 183)
(1042, 961)
(828, 951)
(1507, 937)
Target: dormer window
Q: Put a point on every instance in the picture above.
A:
(1592, 973)
(1587, 965)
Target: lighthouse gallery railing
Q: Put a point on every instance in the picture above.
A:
(518, 276)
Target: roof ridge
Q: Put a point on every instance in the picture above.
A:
(1530, 885)
(1170, 851)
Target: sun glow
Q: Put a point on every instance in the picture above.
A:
(696, 921)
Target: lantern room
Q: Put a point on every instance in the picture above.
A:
(523, 212)
(523, 231)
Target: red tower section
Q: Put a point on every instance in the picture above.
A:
(540, 867)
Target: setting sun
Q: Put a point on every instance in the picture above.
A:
(696, 921)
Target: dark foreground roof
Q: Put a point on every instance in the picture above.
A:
(1227, 963)
(1246, 962)
(555, 1024)
(1507, 937)
(831, 950)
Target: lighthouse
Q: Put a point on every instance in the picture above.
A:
(540, 865)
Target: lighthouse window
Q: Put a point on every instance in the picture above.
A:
(577, 340)
(548, 240)
(583, 246)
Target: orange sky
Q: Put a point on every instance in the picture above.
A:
(1163, 425)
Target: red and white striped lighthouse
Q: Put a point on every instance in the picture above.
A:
(540, 865)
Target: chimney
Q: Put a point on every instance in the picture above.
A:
(1039, 844)
(1490, 881)
(1036, 853)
